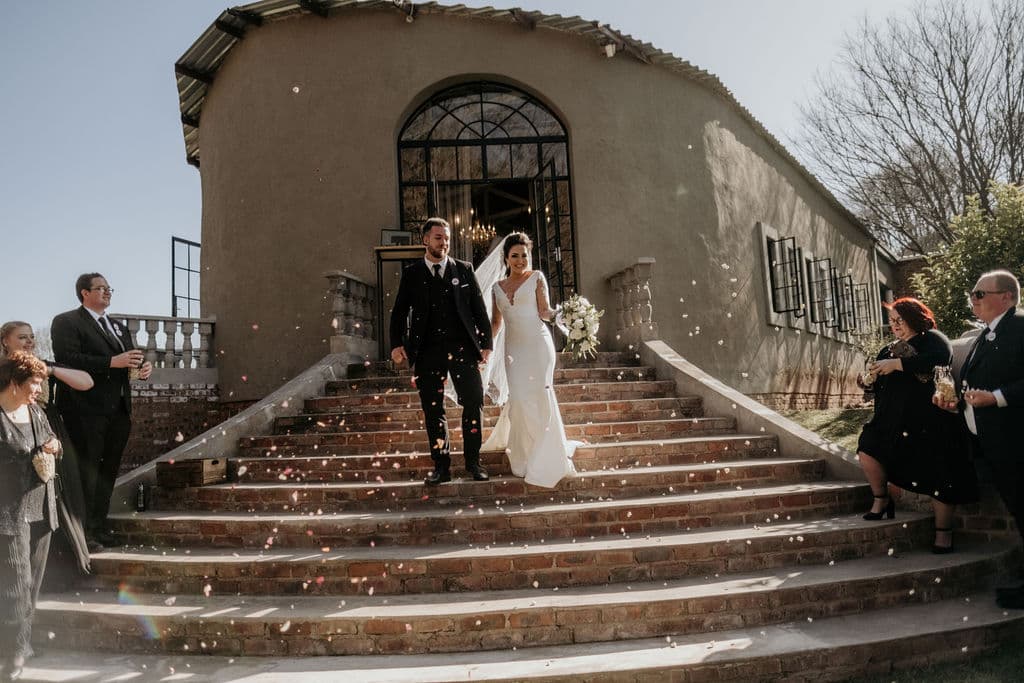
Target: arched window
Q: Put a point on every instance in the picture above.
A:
(491, 159)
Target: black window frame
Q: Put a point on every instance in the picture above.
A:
(790, 270)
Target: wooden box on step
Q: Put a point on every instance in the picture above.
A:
(177, 474)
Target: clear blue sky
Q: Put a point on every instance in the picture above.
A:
(93, 173)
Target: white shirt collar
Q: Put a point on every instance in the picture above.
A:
(995, 321)
(443, 263)
(96, 316)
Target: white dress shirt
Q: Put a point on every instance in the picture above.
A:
(430, 265)
(1000, 399)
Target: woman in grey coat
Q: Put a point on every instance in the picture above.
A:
(28, 505)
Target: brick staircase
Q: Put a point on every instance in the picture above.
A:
(683, 551)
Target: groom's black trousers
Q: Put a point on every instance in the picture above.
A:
(433, 365)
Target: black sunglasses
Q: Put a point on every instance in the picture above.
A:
(979, 294)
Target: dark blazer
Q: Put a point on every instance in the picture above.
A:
(999, 364)
(79, 342)
(412, 307)
(18, 477)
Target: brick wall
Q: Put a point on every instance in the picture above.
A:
(166, 415)
(809, 401)
(903, 270)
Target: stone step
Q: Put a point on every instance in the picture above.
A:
(336, 463)
(604, 359)
(440, 569)
(837, 648)
(412, 418)
(413, 438)
(446, 622)
(596, 391)
(511, 490)
(581, 375)
(493, 523)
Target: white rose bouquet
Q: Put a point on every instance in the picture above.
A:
(578, 320)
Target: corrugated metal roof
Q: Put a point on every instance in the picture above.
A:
(198, 66)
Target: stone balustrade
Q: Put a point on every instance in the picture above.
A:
(353, 316)
(172, 343)
(634, 311)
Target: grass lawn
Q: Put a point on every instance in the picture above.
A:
(1003, 665)
(839, 425)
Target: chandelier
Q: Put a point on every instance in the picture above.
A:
(479, 233)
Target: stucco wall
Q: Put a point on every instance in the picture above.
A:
(299, 175)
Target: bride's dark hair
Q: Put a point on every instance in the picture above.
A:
(514, 239)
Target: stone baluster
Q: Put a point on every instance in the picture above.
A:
(151, 354)
(648, 328)
(170, 329)
(347, 325)
(133, 325)
(632, 318)
(358, 304)
(187, 328)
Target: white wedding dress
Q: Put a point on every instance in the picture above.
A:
(530, 428)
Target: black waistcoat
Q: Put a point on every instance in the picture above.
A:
(444, 326)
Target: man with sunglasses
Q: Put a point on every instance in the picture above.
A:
(98, 420)
(992, 397)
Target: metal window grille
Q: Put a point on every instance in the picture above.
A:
(862, 308)
(184, 278)
(786, 276)
(819, 278)
(845, 318)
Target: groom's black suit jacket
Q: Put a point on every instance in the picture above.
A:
(412, 307)
(80, 343)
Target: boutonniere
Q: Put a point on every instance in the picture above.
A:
(991, 336)
(455, 280)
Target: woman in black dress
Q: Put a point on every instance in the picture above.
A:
(28, 506)
(909, 441)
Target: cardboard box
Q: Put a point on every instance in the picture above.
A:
(197, 472)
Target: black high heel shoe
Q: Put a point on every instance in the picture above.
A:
(888, 511)
(943, 549)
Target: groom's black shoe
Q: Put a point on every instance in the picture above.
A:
(479, 473)
(435, 478)
(1010, 598)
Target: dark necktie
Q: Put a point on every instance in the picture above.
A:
(982, 339)
(437, 270)
(110, 333)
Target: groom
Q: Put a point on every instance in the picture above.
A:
(440, 325)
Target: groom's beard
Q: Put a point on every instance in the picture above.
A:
(436, 253)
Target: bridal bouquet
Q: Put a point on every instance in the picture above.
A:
(578, 320)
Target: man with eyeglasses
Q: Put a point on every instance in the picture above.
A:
(992, 397)
(98, 420)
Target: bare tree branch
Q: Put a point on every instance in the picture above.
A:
(921, 112)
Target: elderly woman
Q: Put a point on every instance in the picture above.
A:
(909, 441)
(19, 336)
(28, 505)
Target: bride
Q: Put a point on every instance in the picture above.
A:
(520, 374)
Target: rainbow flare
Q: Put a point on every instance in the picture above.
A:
(148, 623)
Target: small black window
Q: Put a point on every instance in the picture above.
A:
(785, 276)
(819, 279)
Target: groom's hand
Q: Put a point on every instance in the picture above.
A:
(398, 355)
(484, 355)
